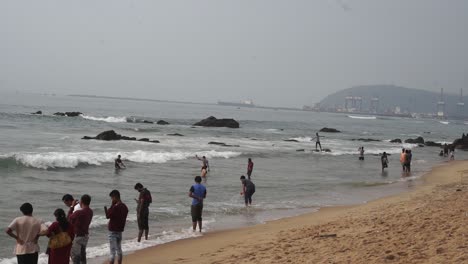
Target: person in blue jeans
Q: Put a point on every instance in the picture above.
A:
(117, 215)
(198, 194)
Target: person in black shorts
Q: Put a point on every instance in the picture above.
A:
(143, 202)
(248, 189)
(198, 193)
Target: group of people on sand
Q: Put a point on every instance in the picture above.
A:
(69, 233)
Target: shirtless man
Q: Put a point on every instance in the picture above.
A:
(118, 163)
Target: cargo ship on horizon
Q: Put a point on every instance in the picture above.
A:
(246, 103)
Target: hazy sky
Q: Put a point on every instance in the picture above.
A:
(285, 53)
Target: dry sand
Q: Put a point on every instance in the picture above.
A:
(426, 225)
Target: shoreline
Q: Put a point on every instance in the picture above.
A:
(262, 243)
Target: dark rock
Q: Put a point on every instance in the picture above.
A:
(221, 144)
(128, 138)
(214, 122)
(73, 114)
(418, 140)
(366, 139)
(421, 145)
(162, 122)
(300, 150)
(326, 150)
(290, 140)
(109, 135)
(148, 122)
(86, 137)
(144, 139)
(175, 134)
(329, 130)
(432, 144)
(154, 141)
(70, 114)
(37, 113)
(459, 190)
(396, 140)
(460, 143)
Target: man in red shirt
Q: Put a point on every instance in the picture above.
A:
(80, 221)
(117, 215)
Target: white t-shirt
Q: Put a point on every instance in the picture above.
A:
(77, 207)
(26, 228)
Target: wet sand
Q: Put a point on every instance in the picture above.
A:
(426, 225)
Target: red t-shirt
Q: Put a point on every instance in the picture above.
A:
(81, 220)
(117, 215)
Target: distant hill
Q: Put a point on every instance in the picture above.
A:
(390, 96)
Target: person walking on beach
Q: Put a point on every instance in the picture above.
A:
(248, 189)
(205, 163)
(69, 201)
(80, 221)
(117, 215)
(384, 160)
(198, 193)
(61, 234)
(250, 165)
(143, 202)
(361, 153)
(25, 230)
(317, 141)
(402, 159)
(118, 163)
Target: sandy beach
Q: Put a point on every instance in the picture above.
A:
(426, 225)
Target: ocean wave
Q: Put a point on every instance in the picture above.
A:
(109, 119)
(52, 160)
(301, 139)
(362, 117)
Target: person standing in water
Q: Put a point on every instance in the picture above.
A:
(204, 161)
(118, 163)
(250, 165)
(248, 189)
(198, 193)
(117, 215)
(317, 141)
(143, 202)
(361, 153)
(403, 158)
(384, 160)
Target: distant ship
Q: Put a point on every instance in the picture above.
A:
(246, 103)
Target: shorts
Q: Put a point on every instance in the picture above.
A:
(196, 211)
(248, 196)
(143, 219)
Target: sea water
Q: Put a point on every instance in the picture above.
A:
(42, 157)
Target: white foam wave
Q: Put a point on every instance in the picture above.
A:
(48, 160)
(444, 122)
(362, 117)
(109, 119)
(302, 139)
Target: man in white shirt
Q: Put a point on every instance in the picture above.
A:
(25, 230)
(69, 201)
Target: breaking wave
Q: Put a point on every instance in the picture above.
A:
(109, 119)
(52, 160)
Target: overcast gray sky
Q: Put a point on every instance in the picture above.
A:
(284, 53)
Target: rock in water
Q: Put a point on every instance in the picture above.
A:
(175, 134)
(214, 122)
(432, 144)
(59, 114)
(73, 114)
(37, 113)
(144, 139)
(162, 122)
(396, 140)
(329, 130)
(418, 140)
(109, 135)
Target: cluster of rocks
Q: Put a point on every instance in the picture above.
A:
(214, 122)
(329, 130)
(111, 135)
(70, 114)
(365, 139)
